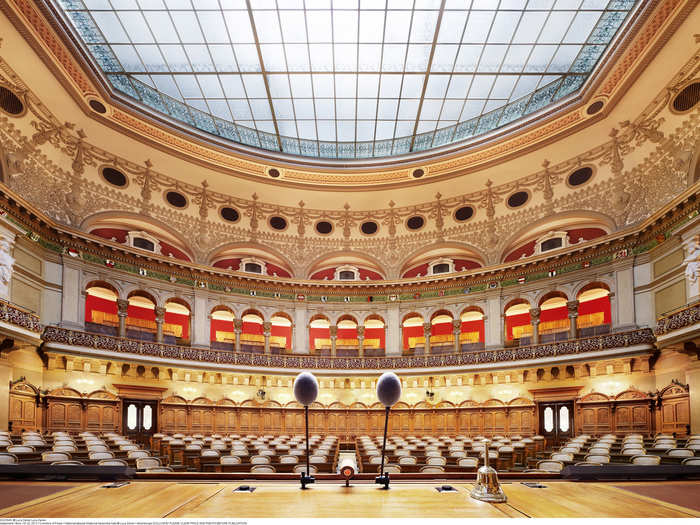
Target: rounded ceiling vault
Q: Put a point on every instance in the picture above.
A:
(346, 79)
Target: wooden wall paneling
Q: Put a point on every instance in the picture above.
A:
(66, 410)
(24, 411)
(675, 410)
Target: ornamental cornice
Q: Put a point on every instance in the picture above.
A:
(656, 22)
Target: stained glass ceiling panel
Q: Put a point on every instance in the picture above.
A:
(347, 79)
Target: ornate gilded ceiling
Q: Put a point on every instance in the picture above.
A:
(630, 163)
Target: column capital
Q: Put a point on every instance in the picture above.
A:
(238, 324)
(457, 326)
(535, 314)
(333, 329)
(360, 331)
(122, 306)
(572, 306)
(426, 328)
(267, 327)
(160, 313)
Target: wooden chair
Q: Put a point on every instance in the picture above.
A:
(691, 461)
(646, 460)
(112, 462)
(289, 459)
(230, 460)
(550, 465)
(101, 455)
(7, 459)
(432, 469)
(391, 468)
(680, 453)
(64, 448)
(408, 460)
(468, 462)
(260, 460)
(69, 462)
(298, 469)
(435, 460)
(317, 459)
(20, 449)
(267, 469)
(55, 456)
(159, 469)
(559, 456)
(598, 458)
(147, 463)
(133, 454)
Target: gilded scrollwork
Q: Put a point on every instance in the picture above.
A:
(636, 188)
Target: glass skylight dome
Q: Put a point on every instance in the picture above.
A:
(346, 79)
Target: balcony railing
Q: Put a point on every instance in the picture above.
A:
(13, 314)
(54, 334)
(686, 316)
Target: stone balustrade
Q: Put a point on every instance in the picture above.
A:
(16, 315)
(63, 336)
(688, 315)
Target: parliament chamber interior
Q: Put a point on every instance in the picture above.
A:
(410, 259)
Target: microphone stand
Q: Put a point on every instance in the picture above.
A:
(306, 477)
(383, 478)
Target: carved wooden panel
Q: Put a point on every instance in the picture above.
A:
(675, 416)
(24, 414)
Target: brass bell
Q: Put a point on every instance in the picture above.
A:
(487, 487)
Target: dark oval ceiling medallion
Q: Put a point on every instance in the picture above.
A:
(464, 213)
(687, 98)
(415, 223)
(273, 172)
(10, 102)
(98, 106)
(369, 227)
(595, 107)
(278, 223)
(176, 199)
(229, 214)
(518, 199)
(114, 177)
(418, 173)
(580, 176)
(324, 227)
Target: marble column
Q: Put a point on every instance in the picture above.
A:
(535, 322)
(300, 344)
(201, 336)
(361, 340)
(572, 307)
(457, 330)
(426, 333)
(267, 330)
(334, 337)
(122, 307)
(493, 323)
(237, 329)
(624, 276)
(160, 318)
(393, 334)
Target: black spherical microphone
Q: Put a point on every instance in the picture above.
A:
(388, 389)
(306, 392)
(305, 388)
(388, 392)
